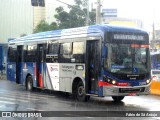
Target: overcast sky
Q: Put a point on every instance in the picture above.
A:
(146, 10)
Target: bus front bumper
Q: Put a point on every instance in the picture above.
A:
(126, 91)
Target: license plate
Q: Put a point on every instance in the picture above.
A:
(132, 94)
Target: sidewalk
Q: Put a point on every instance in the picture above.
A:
(2, 76)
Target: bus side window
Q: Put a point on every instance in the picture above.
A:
(12, 54)
(78, 52)
(52, 53)
(65, 52)
(31, 53)
(53, 48)
(25, 53)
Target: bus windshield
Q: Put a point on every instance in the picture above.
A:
(127, 58)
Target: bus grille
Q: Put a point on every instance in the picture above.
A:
(129, 90)
(130, 77)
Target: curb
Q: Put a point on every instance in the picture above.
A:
(2, 77)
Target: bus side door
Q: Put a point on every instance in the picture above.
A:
(92, 65)
(40, 65)
(19, 60)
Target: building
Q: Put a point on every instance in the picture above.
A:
(155, 40)
(16, 19)
(39, 14)
(110, 16)
(19, 17)
(109, 13)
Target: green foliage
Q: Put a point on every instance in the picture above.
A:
(76, 17)
(44, 26)
(92, 16)
(23, 34)
(78, 2)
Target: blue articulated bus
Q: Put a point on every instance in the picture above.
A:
(98, 60)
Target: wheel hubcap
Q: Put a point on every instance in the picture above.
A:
(80, 90)
(29, 85)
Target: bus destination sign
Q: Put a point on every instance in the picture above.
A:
(128, 37)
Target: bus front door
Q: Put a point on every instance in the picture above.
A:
(92, 66)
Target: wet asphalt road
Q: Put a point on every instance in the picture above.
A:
(14, 97)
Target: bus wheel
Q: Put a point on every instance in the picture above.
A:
(117, 98)
(80, 92)
(29, 83)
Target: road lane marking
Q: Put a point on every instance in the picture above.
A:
(35, 109)
(20, 97)
(12, 99)
(6, 102)
(30, 95)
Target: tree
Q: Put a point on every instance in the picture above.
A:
(44, 26)
(62, 18)
(23, 34)
(76, 17)
(92, 16)
(53, 26)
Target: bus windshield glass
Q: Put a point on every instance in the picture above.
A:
(127, 58)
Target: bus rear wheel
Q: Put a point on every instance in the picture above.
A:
(80, 93)
(29, 84)
(117, 98)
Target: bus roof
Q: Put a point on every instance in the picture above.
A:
(87, 30)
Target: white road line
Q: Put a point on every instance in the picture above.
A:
(35, 109)
(12, 99)
(6, 102)
(20, 97)
(30, 95)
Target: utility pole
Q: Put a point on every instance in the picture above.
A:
(86, 5)
(153, 32)
(153, 36)
(98, 13)
(87, 18)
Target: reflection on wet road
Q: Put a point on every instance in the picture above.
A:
(15, 98)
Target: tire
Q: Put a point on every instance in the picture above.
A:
(80, 93)
(117, 98)
(29, 84)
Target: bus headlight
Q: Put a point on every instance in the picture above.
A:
(113, 82)
(109, 80)
(148, 81)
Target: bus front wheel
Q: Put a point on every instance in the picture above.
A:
(117, 98)
(29, 83)
(80, 93)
